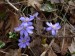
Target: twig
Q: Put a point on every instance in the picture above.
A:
(19, 11)
(12, 5)
(32, 51)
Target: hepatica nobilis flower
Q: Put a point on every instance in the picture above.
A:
(23, 42)
(35, 14)
(53, 28)
(27, 20)
(24, 29)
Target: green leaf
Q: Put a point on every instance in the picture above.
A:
(2, 44)
(47, 8)
(12, 35)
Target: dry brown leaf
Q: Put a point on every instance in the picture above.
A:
(35, 42)
(37, 50)
(72, 11)
(67, 33)
(71, 3)
(16, 52)
(38, 26)
(33, 2)
(72, 47)
(72, 15)
(12, 22)
(56, 1)
(50, 52)
(65, 44)
(56, 48)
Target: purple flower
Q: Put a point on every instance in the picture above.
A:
(23, 42)
(27, 20)
(35, 14)
(53, 27)
(24, 29)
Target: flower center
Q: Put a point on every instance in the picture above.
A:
(23, 41)
(26, 21)
(53, 27)
(24, 28)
